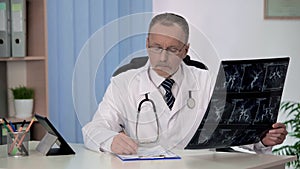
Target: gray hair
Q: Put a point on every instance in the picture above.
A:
(169, 19)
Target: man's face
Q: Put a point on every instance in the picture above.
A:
(166, 48)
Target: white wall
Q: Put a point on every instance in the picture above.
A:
(237, 29)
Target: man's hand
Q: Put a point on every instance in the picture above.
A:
(122, 144)
(276, 135)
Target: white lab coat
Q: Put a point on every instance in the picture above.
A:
(125, 92)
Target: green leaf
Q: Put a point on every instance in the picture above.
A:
(22, 92)
(291, 109)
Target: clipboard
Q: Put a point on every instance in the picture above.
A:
(153, 153)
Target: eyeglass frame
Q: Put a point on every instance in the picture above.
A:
(169, 52)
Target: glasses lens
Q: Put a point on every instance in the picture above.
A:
(156, 50)
(169, 50)
(172, 50)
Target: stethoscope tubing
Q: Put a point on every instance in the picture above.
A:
(190, 104)
(138, 117)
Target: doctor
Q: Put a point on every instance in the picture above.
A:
(162, 102)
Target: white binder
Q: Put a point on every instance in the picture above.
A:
(18, 27)
(5, 44)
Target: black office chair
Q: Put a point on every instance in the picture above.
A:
(138, 62)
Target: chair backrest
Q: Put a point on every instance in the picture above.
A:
(138, 62)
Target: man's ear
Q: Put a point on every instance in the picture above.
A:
(186, 49)
(147, 41)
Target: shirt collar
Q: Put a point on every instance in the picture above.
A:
(157, 80)
(151, 80)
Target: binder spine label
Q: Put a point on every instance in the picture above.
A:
(17, 17)
(3, 24)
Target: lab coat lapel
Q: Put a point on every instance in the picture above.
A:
(147, 86)
(188, 84)
(186, 122)
(181, 133)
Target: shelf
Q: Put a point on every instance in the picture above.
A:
(27, 58)
(17, 120)
(31, 70)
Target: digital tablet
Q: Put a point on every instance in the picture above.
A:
(63, 146)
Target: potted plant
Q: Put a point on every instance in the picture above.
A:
(23, 101)
(293, 125)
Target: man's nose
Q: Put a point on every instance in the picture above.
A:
(163, 55)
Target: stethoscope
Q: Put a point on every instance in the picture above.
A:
(190, 104)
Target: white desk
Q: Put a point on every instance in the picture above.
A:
(86, 159)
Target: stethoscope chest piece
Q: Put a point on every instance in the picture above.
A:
(190, 101)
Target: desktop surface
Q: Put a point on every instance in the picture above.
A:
(191, 159)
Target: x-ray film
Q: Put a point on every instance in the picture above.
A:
(244, 104)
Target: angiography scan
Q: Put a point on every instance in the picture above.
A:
(244, 104)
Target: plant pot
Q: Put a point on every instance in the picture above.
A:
(23, 108)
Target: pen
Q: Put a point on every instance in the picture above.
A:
(10, 129)
(7, 125)
(152, 156)
(11, 148)
(22, 125)
(20, 145)
(26, 131)
(12, 126)
(123, 129)
(16, 139)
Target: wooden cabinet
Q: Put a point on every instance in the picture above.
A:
(32, 70)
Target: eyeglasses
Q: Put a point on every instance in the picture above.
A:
(170, 50)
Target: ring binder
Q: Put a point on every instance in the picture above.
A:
(18, 25)
(5, 36)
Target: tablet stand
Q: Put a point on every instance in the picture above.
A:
(227, 149)
(46, 146)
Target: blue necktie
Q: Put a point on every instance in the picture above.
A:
(169, 98)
